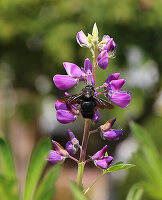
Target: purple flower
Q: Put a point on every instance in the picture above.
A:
(112, 134)
(109, 45)
(121, 99)
(64, 116)
(74, 75)
(112, 77)
(113, 85)
(58, 155)
(72, 70)
(72, 146)
(104, 163)
(82, 39)
(96, 116)
(65, 113)
(100, 154)
(87, 65)
(64, 82)
(87, 72)
(108, 133)
(103, 59)
(100, 160)
(54, 157)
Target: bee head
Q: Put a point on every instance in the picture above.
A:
(88, 91)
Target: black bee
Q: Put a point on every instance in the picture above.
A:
(88, 101)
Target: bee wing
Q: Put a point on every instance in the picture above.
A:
(103, 104)
(71, 99)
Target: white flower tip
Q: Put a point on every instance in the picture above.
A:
(95, 31)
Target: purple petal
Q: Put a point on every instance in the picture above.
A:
(72, 70)
(54, 157)
(108, 45)
(104, 163)
(82, 39)
(96, 116)
(64, 82)
(100, 154)
(64, 116)
(101, 164)
(70, 134)
(109, 159)
(72, 147)
(69, 148)
(60, 106)
(74, 141)
(116, 85)
(112, 134)
(113, 46)
(121, 99)
(112, 77)
(106, 37)
(90, 80)
(103, 60)
(87, 65)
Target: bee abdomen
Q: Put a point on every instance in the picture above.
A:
(87, 109)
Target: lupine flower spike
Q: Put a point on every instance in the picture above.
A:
(86, 104)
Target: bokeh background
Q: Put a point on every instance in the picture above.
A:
(36, 37)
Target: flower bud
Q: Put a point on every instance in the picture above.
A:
(82, 39)
(108, 125)
(103, 59)
(72, 146)
(54, 157)
(59, 149)
(100, 154)
(112, 134)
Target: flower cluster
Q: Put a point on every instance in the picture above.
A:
(102, 51)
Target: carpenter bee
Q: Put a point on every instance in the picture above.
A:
(88, 102)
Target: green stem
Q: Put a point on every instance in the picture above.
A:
(97, 179)
(81, 162)
(80, 173)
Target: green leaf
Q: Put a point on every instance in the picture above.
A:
(118, 167)
(46, 188)
(149, 159)
(135, 193)
(117, 163)
(77, 192)
(143, 137)
(8, 189)
(36, 166)
(6, 160)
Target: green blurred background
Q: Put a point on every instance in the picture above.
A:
(37, 36)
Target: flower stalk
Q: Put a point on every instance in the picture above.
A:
(95, 181)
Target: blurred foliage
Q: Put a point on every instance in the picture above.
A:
(36, 187)
(135, 193)
(149, 163)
